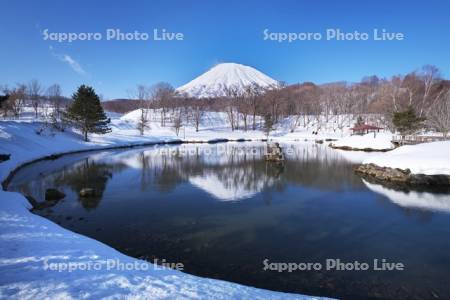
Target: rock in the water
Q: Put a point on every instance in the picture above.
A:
(53, 194)
(274, 153)
(87, 192)
(4, 157)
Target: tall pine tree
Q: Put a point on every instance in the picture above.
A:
(86, 112)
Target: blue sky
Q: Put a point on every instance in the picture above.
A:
(216, 31)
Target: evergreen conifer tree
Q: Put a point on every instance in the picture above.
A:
(359, 121)
(407, 122)
(86, 112)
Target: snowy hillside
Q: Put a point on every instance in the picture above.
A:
(214, 82)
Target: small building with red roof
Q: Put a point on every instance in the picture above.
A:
(365, 128)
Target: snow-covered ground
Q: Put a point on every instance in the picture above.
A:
(30, 243)
(374, 141)
(215, 125)
(429, 158)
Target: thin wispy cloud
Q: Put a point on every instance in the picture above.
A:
(73, 64)
(66, 58)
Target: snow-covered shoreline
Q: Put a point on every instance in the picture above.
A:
(429, 158)
(29, 242)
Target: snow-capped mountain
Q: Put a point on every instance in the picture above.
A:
(215, 82)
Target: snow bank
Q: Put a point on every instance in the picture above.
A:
(28, 243)
(370, 141)
(428, 158)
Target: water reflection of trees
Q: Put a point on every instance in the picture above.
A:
(88, 174)
(309, 165)
(231, 175)
(321, 167)
(160, 172)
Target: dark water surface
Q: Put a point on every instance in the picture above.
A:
(222, 211)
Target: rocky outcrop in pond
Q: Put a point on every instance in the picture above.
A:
(401, 177)
(274, 153)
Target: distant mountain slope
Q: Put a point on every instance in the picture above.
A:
(215, 82)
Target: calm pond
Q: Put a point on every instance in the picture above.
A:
(224, 212)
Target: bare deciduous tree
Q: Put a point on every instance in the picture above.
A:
(430, 76)
(253, 95)
(439, 114)
(232, 97)
(16, 99)
(34, 90)
(177, 121)
(197, 113)
(163, 94)
(143, 95)
(54, 94)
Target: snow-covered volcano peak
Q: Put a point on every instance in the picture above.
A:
(215, 82)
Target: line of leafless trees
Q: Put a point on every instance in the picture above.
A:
(304, 105)
(45, 102)
(149, 101)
